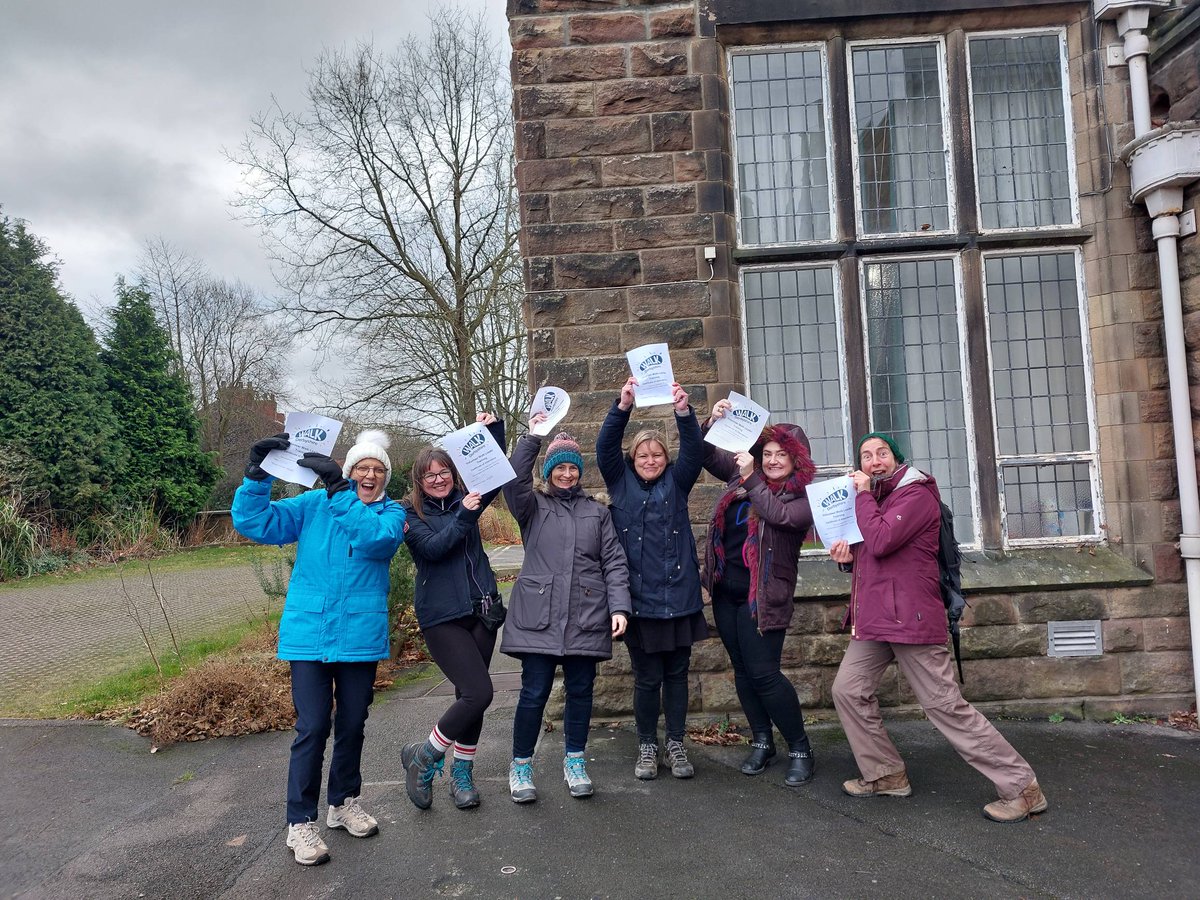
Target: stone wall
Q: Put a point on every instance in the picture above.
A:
(624, 171)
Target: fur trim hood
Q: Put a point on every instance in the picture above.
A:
(795, 444)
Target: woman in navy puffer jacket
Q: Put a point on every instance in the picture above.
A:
(455, 591)
(334, 628)
(649, 494)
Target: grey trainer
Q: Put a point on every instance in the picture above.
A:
(646, 767)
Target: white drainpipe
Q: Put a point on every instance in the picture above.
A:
(1162, 161)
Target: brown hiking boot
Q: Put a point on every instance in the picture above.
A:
(894, 785)
(1029, 802)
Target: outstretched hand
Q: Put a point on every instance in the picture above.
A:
(627, 394)
(485, 418)
(720, 408)
(745, 464)
(472, 500)
(259, 451)
(679, 399)
(327, 470)
(536, 419)
(841, 553)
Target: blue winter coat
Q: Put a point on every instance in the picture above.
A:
(336, 608)
(652, 519)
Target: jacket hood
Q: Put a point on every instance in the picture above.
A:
(795, 444)
(544, 487)
(904, 476)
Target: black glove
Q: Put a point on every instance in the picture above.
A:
(259, 452)
(327, 470)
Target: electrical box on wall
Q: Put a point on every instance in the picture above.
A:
(1187, 222)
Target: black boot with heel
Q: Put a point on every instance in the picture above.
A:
(762, 751)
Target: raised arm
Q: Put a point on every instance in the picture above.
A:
(496, 428)
(690, 463)
(518, 494)
(257, 518)
(609, 458)
(374, 534)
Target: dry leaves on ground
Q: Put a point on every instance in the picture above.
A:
(717, 733)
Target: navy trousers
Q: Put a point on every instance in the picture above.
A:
(537, 678)
(315, 687)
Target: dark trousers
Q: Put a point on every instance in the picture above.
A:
(660, 681)
(764, 692)
(537, 678)
(315, 687)
(463, 649)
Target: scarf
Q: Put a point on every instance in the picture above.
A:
(795, 485)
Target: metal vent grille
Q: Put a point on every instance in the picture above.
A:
(1074, 638)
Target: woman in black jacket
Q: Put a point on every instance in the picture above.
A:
(455, 592)
(649, 494)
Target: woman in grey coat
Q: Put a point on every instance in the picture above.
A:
(570, 600)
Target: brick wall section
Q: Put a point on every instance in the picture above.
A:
(622, 162)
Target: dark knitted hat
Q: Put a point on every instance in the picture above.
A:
(563, 449)
(886, 438)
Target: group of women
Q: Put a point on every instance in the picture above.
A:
(595, 569)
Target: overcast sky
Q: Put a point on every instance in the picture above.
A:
(114, 116)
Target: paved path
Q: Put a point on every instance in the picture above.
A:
(57, 634)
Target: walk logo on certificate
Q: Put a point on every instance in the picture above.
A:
(554, 402)
(738, 429)
(651, 366)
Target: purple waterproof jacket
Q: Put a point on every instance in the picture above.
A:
(894, 594)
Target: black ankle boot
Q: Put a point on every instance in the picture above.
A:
(801, 768)
(762, 751)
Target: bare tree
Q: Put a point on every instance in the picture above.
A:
(392, 208)
(233, 346)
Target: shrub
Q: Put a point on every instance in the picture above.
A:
(132, 531)
(497, 526)
(402, 618)
(18, 542)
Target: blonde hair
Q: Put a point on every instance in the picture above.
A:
(649, 434)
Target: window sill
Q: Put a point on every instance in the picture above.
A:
(1018, 571)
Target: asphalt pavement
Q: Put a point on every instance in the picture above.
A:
(87, 811)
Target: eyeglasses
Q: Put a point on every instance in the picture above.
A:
(433, 477)
(377, 471)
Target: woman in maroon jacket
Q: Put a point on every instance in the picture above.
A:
(896, 613)
(750, 572)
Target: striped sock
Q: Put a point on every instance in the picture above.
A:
(439, 742)
(464, 751)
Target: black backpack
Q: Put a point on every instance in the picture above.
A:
(950, 571)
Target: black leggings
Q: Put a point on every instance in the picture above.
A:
(660, 681)
(765, 693)
(463, 649)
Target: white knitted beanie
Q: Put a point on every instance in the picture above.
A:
(371, 444)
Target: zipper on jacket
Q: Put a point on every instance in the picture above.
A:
(853, 601)
(351, 550)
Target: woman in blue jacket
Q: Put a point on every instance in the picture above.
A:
(334, 628)
(649, 496)
(456, 597)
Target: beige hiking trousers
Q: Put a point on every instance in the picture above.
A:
(928, 668)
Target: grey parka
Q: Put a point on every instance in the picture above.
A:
(574, 578)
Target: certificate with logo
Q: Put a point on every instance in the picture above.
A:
(309, 433)
(479, 459)
(552, 401)
(651, 366)
(738, 429)
(832, 505)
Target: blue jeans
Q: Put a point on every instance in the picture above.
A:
(537, 678)
(315, 686)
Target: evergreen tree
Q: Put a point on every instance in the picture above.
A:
(54, 409)
(153, 404)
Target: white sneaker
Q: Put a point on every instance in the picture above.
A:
(520, 781)
(576, 776)
(305, 840)
(353, 818)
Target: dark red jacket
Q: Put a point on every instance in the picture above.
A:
(784, 516)
(894, 594)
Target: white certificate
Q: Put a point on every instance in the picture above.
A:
(479, 459)
(309, 433)
(832, 505)
(552, 401)
(651, 366)
(739, 428)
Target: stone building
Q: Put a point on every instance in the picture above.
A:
(922, 222)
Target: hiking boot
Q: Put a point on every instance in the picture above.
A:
(520, 781)
(762, 751)
(894, 785)
(646, 766)
(304, 838)
(353, 818)
(421, 763)
(677, 757)
(462, 785)
(1029, 802)
(576, 776)
(801, 768)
